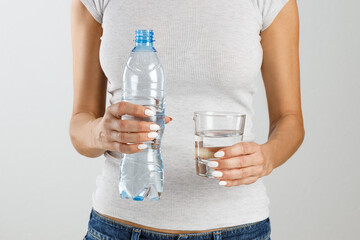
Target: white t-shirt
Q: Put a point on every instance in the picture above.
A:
(212, 55)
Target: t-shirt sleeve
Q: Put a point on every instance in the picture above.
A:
(268, 10)
(96, 8)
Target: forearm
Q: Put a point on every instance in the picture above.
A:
(285, 137)
(82, 126)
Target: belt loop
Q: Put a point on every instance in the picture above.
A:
(217, 235)
(182, 236)
(135, 234)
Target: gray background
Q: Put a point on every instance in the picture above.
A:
(46, 185)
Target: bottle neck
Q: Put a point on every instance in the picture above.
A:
(144, 44)
(144, 40)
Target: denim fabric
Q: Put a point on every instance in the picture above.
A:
(102, 228)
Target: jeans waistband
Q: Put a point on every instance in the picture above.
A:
(171, 236)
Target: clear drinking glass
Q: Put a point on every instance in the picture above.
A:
(213, 131)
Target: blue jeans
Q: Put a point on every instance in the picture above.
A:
(102, 228)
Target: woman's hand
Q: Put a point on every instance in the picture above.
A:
(241, 163)
(112, 133)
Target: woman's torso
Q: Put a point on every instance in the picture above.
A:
(212, 55)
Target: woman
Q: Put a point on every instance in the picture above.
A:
(212, 52)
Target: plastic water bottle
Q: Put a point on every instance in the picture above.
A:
(143, 83)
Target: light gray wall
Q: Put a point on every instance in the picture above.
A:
(46, 186)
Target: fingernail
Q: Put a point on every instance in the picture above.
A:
(213, 164)
(222, 183)
(142, 146)
(149, 112)
(154, 127)
(152, 135)
(219, 154)
(217, 173)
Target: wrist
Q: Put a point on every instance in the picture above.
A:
(94, 142)
(268, 153)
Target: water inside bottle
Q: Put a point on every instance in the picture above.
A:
(143, 83)
(142, 173)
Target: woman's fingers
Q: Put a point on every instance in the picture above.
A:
(241, 148)
(168, 119)
(124, 137)
(132, 125)
(114, 133)
(125, 148)
(238, 182)
(239, 164)
(237, 173)
(122, 108)
(235, 162)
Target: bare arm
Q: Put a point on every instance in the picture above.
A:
(94, 129)
(281, 74)
(89, 80)
(245, 162)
